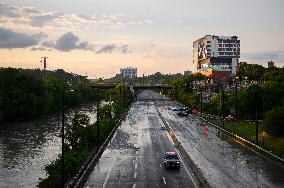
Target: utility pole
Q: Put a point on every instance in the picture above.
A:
(44, 62)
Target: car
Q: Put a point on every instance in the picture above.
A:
(182, 114)
(176, 109)
(163, 128)
(171, 160)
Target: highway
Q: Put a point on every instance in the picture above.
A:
(134, 158)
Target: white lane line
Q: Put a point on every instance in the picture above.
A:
(134, 185)
(136, 158)
(194, 183)
(135, 166)
(164, 180)
(135, 175)
(170, 139)
(107, 177)
(136, 152)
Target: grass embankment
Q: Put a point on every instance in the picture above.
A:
(247, 130)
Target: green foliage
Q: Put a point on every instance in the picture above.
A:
(77, 132)
(72, 162)
(29, 94)
(81, 137)
(274, 121)
(251, 71)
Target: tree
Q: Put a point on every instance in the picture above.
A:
(77, 132)
(274, 121)
(251, 71)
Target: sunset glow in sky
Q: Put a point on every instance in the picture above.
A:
(98, 37)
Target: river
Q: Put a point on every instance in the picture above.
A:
(27, 147)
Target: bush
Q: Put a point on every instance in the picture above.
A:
(274, 121)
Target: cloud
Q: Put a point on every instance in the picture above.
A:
(68, 42)
(40, 49)
(265, 56)
(42, 20)
(125, 49)
(32, 18)
(110, 48)
(12, 39)
(107, 49)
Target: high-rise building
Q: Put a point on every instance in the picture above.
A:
(217, 53)
(129, 72)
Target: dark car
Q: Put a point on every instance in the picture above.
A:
(163, 128)
(182, 114)
(171, 160)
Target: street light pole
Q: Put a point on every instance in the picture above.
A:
(201, 102)
(256, 121)
(98, 119)
(236, 92)
(110, 116)
(223, 110)
(62, 139)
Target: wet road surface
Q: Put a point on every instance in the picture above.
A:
(223, 162)
(134, 158)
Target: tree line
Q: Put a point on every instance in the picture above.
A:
(27, 94)
(266, 97)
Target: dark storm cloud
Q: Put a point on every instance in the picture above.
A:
(69, 41)
(13, 39)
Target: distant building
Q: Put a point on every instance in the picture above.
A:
(129, 72)
(216, 52)
(270, 64)
(188, 72)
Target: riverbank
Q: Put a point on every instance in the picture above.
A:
(27, 147)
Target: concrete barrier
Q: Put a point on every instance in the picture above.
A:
(86, 168)
(202, 179)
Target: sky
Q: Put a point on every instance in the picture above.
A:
(98, 37)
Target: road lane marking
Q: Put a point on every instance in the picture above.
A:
(135, 166)
(135, 175)
(134, 185)
(164, 180)
(171, 141)
(107, 177)
(187, 171)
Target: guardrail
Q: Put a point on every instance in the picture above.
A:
(249, 144)
(79, 179)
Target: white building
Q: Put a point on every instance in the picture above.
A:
(187, 72)
(129, 72)
(222, 52)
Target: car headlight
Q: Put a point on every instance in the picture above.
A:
(178, 162)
